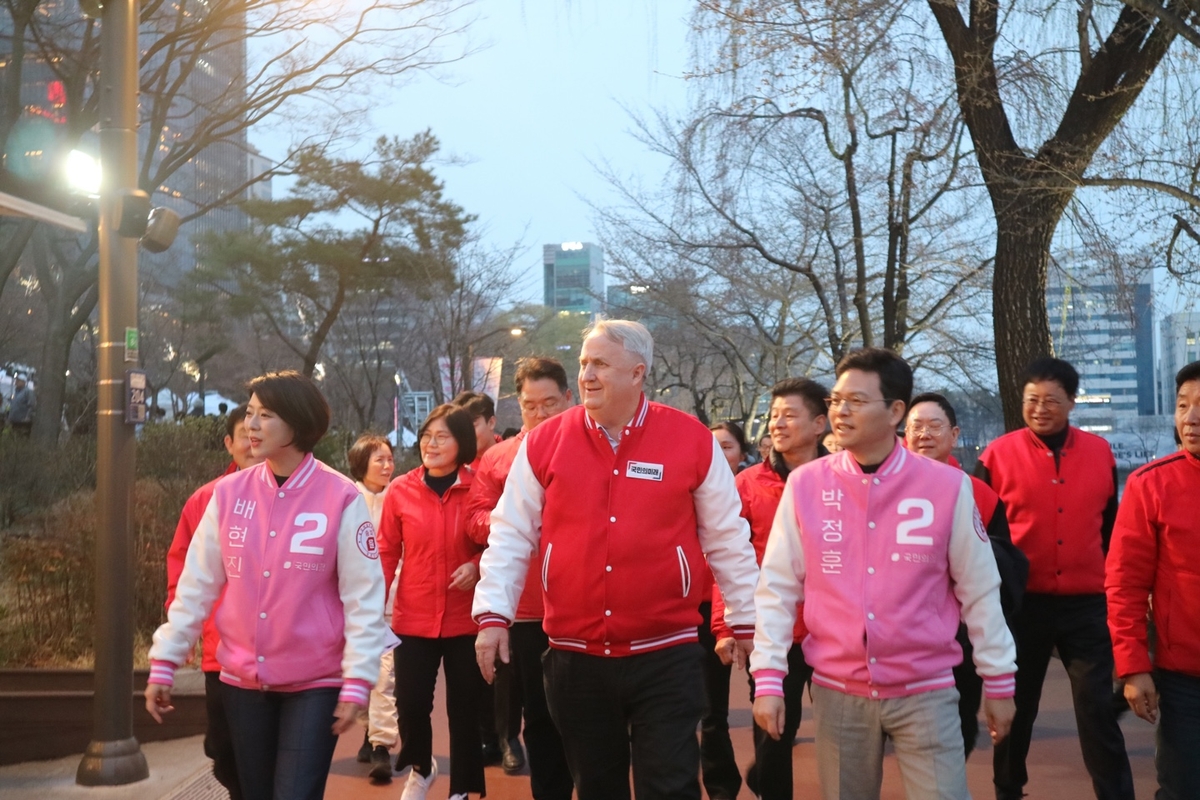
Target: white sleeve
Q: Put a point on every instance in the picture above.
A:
(780, 589)
(725, 540)
(361, 588)
(977, 587)
(516, 532)
(196, 593)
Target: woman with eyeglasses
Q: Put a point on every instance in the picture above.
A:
(424, 521)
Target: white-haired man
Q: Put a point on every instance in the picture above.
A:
(623, 500)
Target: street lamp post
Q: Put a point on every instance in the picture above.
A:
(113, 757)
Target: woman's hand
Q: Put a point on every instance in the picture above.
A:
(158, 701)
(465, 577)
(344, 717)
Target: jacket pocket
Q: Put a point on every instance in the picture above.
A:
(685, 571)
(546, 568)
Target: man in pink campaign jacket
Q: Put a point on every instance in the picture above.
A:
(886, 550)
(620, 500)
(292, 546)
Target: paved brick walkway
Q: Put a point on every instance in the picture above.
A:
(1055, 765)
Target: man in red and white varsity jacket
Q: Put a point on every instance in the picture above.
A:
(271, 549)
(886, 551)
(622, 500)
(1155, 552)
(1059, 488)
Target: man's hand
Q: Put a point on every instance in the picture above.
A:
(158, 701)
(741, 653)
(999, 712)
(1142, 696)
(465, 577)
(345, 715)
(769, 714)
(490, 643)
(725, 649)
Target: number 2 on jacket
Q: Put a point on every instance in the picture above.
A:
(904, 529)
(306, 534)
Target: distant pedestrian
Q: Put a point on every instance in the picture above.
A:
(290, 544)
(733, 444)
(1155, 550)
(21, 408)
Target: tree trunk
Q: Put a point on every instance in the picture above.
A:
(1024, 230)
(61, 327)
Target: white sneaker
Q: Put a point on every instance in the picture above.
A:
(416, 786)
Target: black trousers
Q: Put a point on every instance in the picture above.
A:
(507, 700)
(1077, 626)
(417, 660)
(770, 776)
(970, 692)
(717, 763)
(549, 775)
(218, 742)
(642, 709)
(284, 741)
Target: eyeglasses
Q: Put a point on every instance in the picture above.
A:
(932, 428)
(1048, 403)
(855, 404)
(439, 439)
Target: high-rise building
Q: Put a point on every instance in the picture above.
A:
(1179, 345)
(1106, 331)
(574, 277)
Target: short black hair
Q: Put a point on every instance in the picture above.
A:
(1190, 372)
(477, 404)
(895, 375)
(734, 430)
(360, 453)
(810, 391)
(1049, 368)
(537, 368)
(940, 399)
(461, 425)
(297, 401)
(235, 418)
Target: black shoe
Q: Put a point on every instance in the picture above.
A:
(514, 756)
(381, 765)
(492, 754)
(364, 752)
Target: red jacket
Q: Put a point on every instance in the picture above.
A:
(430, 534)
(622, 535)
(485, 493)
(189, 520)
(1156, 551)
(1056, 514)
(760, 488)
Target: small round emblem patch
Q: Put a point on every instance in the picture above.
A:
(366, 540)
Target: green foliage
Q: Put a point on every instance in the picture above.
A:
(32, 478)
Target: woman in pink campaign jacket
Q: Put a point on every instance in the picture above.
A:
(425, 521)
(292, 545)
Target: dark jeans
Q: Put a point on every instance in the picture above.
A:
(1178, 757)
(417, 660)
(218, 742)
(717, 763)
(644, 707)
(770, 776)
(970, 692)
(1077, 626)
(284, 741)
(549, 775)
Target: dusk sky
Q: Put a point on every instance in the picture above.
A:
(544, 100)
